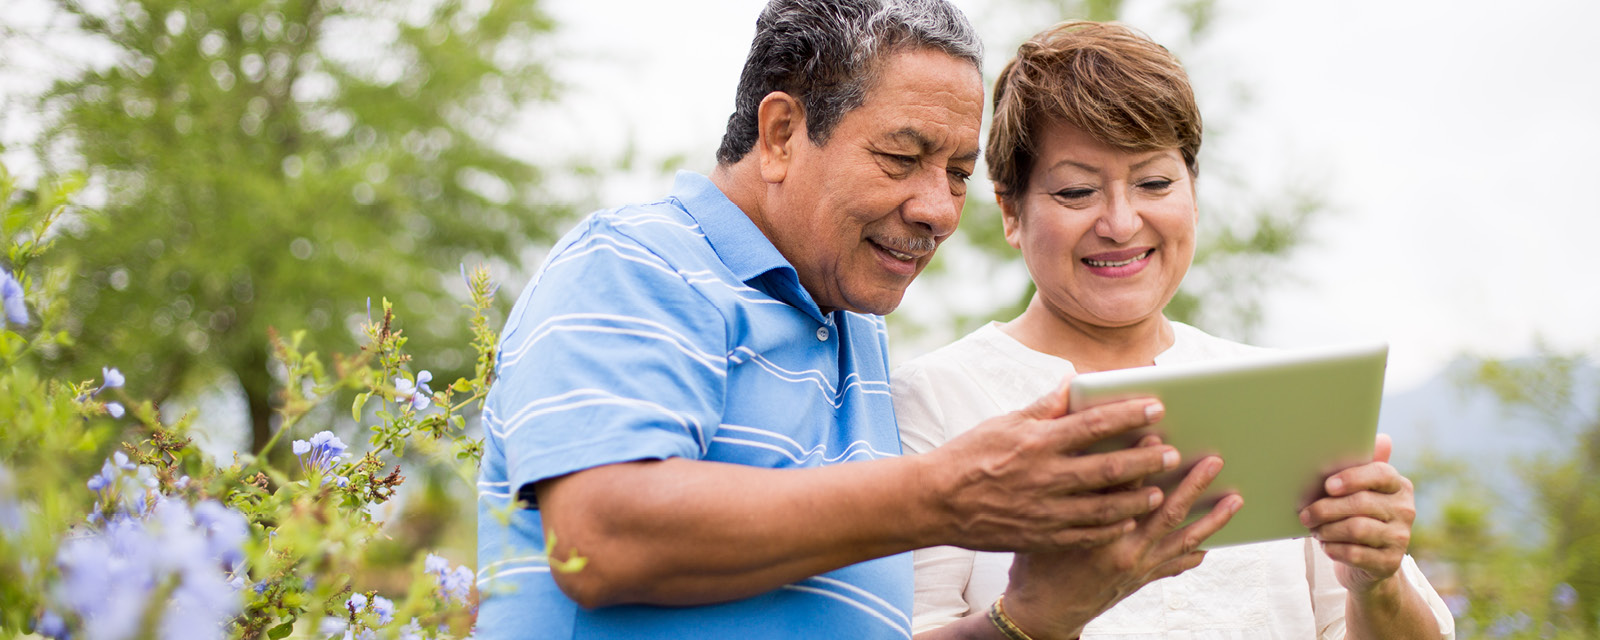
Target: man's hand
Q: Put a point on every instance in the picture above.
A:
(1019, 482)
(1055, 594)
(1365, 522)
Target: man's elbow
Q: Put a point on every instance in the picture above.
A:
(600, 583)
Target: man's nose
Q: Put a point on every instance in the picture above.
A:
(931, 206)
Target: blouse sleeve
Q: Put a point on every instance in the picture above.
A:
(1328, 596)
(941, 572)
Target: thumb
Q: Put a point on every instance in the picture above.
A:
(1051, 405)
(1382, 447)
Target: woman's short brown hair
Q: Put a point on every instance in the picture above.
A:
(1112, 82)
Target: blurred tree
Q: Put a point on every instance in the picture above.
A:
(1245, 231)
(1547, 586)
(279, 162)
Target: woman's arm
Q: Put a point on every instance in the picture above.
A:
(1364, 526)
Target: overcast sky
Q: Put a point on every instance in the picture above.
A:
(1457, 144)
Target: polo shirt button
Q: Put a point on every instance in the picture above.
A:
(822, 334)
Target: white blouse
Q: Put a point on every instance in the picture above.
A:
(1282, 589)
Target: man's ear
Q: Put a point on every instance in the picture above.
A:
(1010, 220)
(780, 125)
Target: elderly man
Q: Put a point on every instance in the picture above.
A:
(693, 394)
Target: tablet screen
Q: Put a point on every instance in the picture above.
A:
(1282, 423)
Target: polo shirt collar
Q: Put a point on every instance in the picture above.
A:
(747, 252)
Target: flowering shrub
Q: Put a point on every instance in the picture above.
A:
(114, 525)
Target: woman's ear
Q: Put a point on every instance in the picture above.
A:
(1010, 220)
(778, 121)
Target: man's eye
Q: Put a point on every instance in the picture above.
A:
(900, 162)
(959, 175)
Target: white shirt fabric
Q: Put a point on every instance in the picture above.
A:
(1282, 589)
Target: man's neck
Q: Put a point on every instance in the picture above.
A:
(741, 183)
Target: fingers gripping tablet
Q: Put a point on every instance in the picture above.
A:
(1282, 423)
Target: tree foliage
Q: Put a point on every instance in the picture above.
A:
(1546, 586)
(276, 162)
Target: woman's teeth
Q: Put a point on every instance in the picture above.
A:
(1120, 263)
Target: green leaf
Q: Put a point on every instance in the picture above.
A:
(281, 631)
(361, 400)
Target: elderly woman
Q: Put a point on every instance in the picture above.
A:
(1093, 154)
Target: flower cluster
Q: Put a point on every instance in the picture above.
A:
(150, 542)
(123, 488)
(321, 453)
(11, 297)
(454, 584)
(418, 393)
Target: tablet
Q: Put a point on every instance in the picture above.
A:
(1282, 422)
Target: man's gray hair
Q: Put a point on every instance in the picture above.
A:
(826, 53)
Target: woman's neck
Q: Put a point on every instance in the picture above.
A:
(1089, 347)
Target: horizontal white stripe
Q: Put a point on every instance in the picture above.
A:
(762, 445)
(487, 483)
(616, 219)
(600, 398)
(490, 493)
(864, 593)
(804, 452)
(625, 251)
(854, 603)
(537, 558)
(502, 574)
(653, 329)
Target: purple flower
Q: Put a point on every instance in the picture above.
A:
(321, 453)
(16, 309)
(51, 625)
(384, 607)
(331, 626)
(457, 584)
(418, 393)
(435, 565)
(1565, 596)
(113, 378)
(225, 530)
(109, 576)
(357, 603)
(412, 631)
(115, 409)
(11, 516)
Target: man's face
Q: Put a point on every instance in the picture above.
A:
(861, 216)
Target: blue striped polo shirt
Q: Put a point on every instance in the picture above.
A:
(675, 328)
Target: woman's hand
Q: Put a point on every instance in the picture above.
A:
(1365, 522)
(1055, 594)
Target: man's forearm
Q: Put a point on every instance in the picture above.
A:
(684, 532)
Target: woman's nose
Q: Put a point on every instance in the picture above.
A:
(1119, 221)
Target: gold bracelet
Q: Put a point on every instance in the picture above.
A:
(1003, 622)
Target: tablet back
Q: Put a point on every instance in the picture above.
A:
(1282, 423)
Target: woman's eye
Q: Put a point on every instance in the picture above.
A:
(1157, 184)
(1074, 194)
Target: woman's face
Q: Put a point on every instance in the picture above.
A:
(1107, 234)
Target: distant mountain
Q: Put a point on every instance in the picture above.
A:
(1460, 423)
